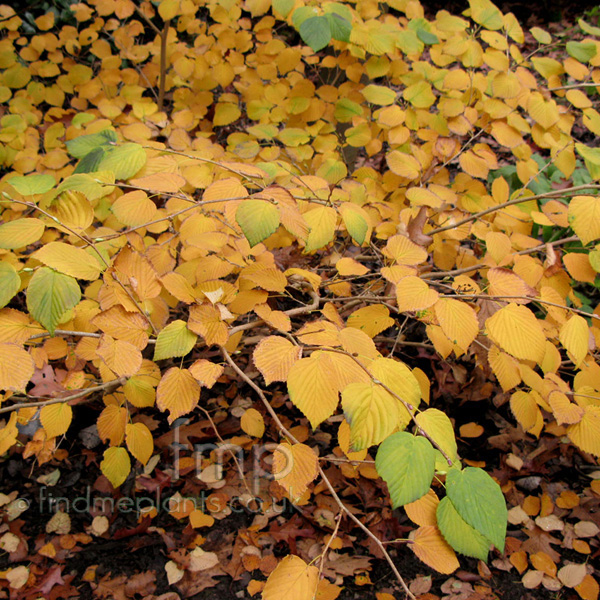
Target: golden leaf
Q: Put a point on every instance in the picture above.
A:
(429, 545)
(178, 392)
(294, 467)
(56, 418)
(274, 357)
(292, 579)
(139, 441)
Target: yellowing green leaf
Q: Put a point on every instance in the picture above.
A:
(371, 412)
(116, 465)
(20, 233)
(258, 219)
(69, 260)
(50, 295)
(486, 14)
(174, 340)
(33, 184)
(438, 428)
(379, 94)
(356, 221)
(10, 282)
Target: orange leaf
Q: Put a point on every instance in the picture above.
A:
(178, 392)
(429, 545)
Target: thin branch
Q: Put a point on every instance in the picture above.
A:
(81, 394)
(164, 34)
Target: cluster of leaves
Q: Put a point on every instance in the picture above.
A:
(177, 176)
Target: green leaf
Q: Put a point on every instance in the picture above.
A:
(10, 282)
(346, 109)
(91, 161)
(82, 145)
(301, 14)
(581, 51)
(283, 7)
(174, 340)
(427, 37)
(479, 501)
(50, 295)
(316, 32)
(124, 161)
(340, 28)
(258, 220)
(406, 463)
(591, 157)
(459, 534)
(339, 9)
(33, 184)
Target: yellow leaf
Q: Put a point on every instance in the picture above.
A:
(579, 267)
(429, 545)
(73, 210)
(414, 294)
(515, 329)
(423, 511)
(20, 233)
(544, 112)
(292, 579)
(348, 267)
(8, 434)
(252, 423)
(564, 411)
(344, 443)
(111, 424)
(264, 276)
(373, 414)
(371, 319)
(139, 441)
(178, 392)
(525, 409)
(120, 356)
(503, 282)
(457, 320)
(321, 221)
(168, 183)
(584, 217)
(403, 164)
(574, 336)
(134, 208)
(439, 428)
(586, 433)
(404, 252)
(274, 357)
(358, 343)
(199, 519)
(56, 418)
(486, 14)
(505, 368)
(311, 387)
(123, 325)
(179, 287)
(294, 467)
(206, 321)
(115, 465)
(206, 372)
(319, 333)
(16, 367)
(69, 260)
(274, 318)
